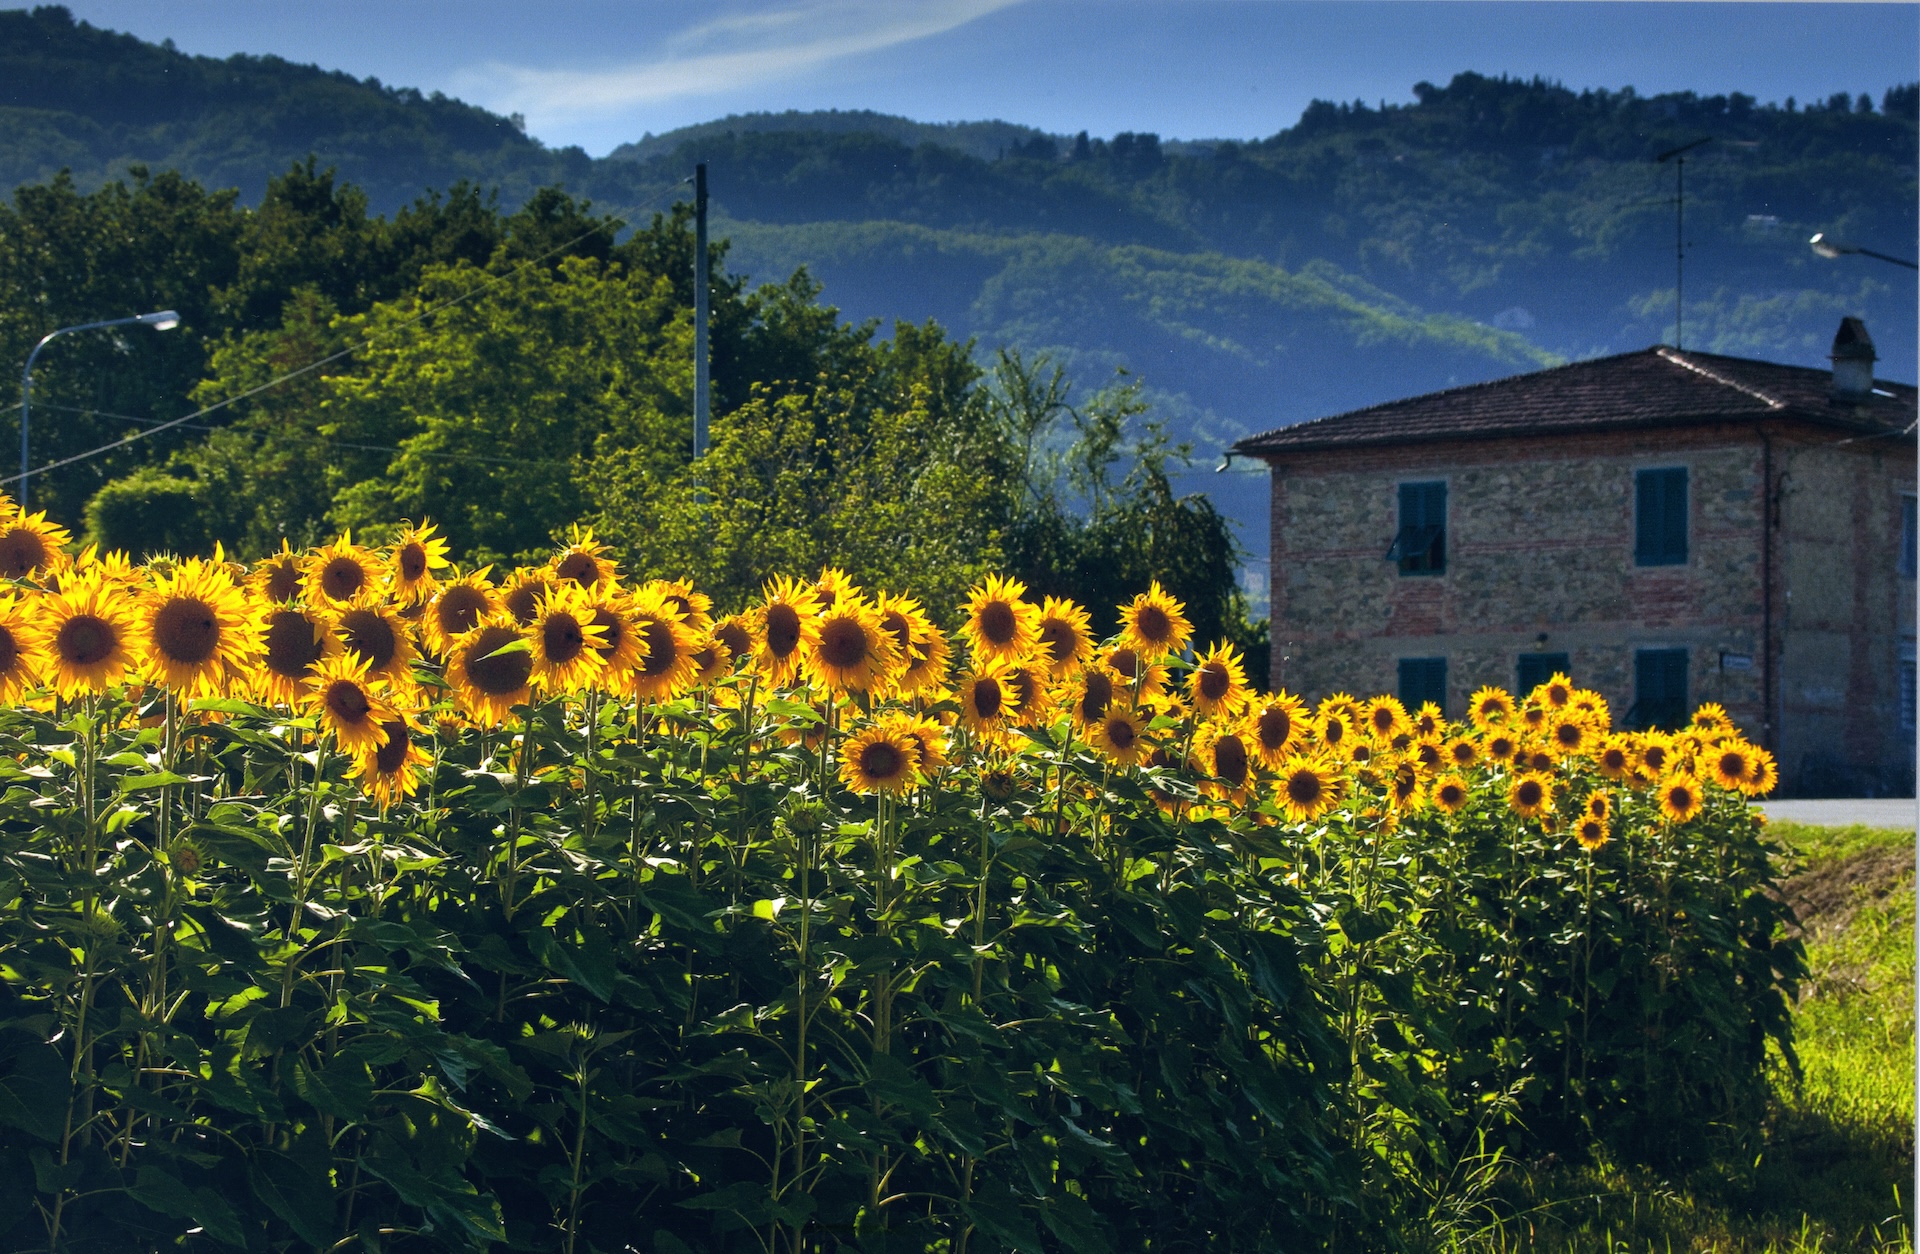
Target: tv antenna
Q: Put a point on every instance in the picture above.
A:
(1679, 158)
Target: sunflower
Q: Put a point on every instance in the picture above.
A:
(784, 626)
(1431, 757)
(1460, 752)
(1142, 678)
(1276, 727)
(1501, 746)
(1334, 730)
(984, 702)
(1066, 637)
(923, 649)
(296, 640)
(414, 558)
(377, 635)
(1428, 721)
(1591, 833)
(20, 649)
(736, 633)
(566, 637)
(1680, 797)
(1536, 760)
(696, 608)
(1001, 625)
(520, 594)
(583, 562)
(349, 703)
(86, 630)
(1218, 681)
(1154, 623)
(1309, 787)
(1450, 794)
(1403, 789)
(487, 683)
(1223, 753)
(1712, 717)
(343, 574)
(277, 578)
(1614, 757)
(1569, 735)
(1120, 735)
(1530, 795)
(667, 666)
(1490, 708)
(712, 661)
(193, 627)
(832, 585)
(1385, 717)
(1655, 753)
(928, 735)
(1763, 775)
(391, 771)
(1029, 700)
(880, 758)
(462, 602)
(852, 652)
(1730, 765)
(1599, 805)
(621, 645)
(1534, 716)
(1591, 706)
(30, 546)
(1089, 694)
(1554, 693)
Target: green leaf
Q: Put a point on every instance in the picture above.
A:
(295, 1193)
(33, 1086)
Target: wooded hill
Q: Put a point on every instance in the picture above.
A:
(1363, 252)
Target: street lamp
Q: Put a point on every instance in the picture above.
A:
(164, 320)
(1830, 248)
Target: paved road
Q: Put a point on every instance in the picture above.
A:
(1871, 812)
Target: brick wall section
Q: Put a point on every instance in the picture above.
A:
(1540, 555)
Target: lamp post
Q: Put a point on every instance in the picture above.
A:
(1831, 248)
(164, 320)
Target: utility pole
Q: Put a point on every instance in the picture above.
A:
(1679, 228)
(701, 382)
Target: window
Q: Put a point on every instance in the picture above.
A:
(1906, 684)
(1420, 546)
(1660, 517)
(1536, 669)
(1659, 689)
(1423, 679)
(1908, 525)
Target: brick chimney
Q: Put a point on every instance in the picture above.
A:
(1853, 359)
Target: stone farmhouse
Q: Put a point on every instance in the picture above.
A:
(1668, 527)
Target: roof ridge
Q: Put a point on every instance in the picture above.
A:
(1678, 358)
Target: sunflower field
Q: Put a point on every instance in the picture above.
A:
(356, 901)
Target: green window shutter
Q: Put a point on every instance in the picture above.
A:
(1423, 679)
(1660, 517)
(1659, 689)
(1420, 545)
(1536, 669)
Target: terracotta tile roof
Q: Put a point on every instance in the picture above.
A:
(1654, 387)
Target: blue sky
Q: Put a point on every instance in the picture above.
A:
(598, 72)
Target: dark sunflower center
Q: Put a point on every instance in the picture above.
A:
(1558, 696)
(342, 577)
(1529, 793)
(680, 603)
(283, 581)
(1613, 759)
(1215, 683)
(1126, 661)
(1098, 696)
(1733, 764)
(1273, 727)
(347, 702)
(612, 630)
(897, 626)
(21, 553)
(881, 760)
(783, 630)
(986, 697)
(662, 653)
(1404, 783)
(1153, 624)
(86, 640)
(1230, 760)
(1568, 734)
(735, 637)
(1120, 734)
(1542, 762)
(524, 601)
(579, 567)
(392, 753)
(1681, 797)
(1056, 639)
(1336, 731)
(1429, 756)
(9, 651)
(1656, 757)
(186, 630)
(413, 561)
(370, 637)
(497, 674)
(1451, 795)
(843, 643)
(561, 639)
(998, 623)
(1024, 688)
(292, 646)
(1304, 788)
(458, 609)
(706, 659)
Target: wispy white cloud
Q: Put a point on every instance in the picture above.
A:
(722, 55)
